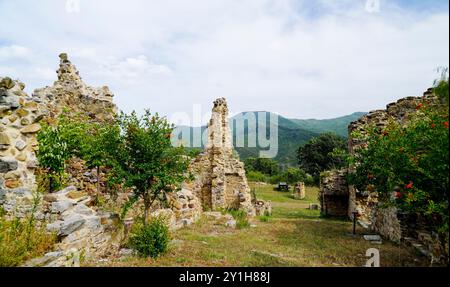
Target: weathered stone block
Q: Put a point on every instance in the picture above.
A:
(8, 164)
(61, 206)
(31, 129)
(71, 224)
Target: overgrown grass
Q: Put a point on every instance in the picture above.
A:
(294, 236)
(241, 218)
(264, 218)
(21, 240)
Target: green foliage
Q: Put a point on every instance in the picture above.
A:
(241, 218)
(408, 164)
(292, 175)
(53, 153)
(257, 176)
(263, 165)
(144, 159)
(70, 136)
(22, 239)
(292, 133)
(194, 152)
(99, 143)
(319, 154)
(151, 239)
(338, 126)
(264, 218)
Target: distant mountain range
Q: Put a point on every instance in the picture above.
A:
(292, 133)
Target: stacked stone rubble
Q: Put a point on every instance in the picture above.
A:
(69, 92)
(300, 190)
(333, 194)
(82, 231)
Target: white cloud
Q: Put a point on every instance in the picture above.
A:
(134, 69)
(298, 58)
(14, 52)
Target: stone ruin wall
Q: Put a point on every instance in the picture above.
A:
(365, 202)
(70, 93)
(21, 118)
(68, 213)
(299, 190)
(81, 227)
(221, 182)
(333, 193)
(390, 222)
(336, 196)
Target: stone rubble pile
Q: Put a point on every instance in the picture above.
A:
(299, 190)
(80, 229)
(69, 91)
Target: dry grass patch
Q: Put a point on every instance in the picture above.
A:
(294, 236)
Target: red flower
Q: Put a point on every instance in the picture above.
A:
(398, 194)
(419, 106)
(446, 124)
(433, 126)
(409, 185)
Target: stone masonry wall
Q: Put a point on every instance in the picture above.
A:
(20, 116)
(388, 221)
(20, 122)
(70, 92)
(221, 182)
(365, 201)
(81, 227)
(333, 193)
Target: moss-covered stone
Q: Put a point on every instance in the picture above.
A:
(7, 83)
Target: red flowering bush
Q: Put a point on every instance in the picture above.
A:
(408, 165)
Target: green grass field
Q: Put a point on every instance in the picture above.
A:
(292, 236)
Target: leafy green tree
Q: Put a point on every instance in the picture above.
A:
(53, 153)
(145, 161)
(58, 142)
(99, 145)
(317, 155)
(292, 175)
(264, 165)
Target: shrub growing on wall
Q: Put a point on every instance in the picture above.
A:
(408, 164)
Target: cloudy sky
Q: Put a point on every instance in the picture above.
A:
(299, 58)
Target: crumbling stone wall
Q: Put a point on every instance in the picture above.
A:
(20, 116)
(221, 182)
(362, 201)
(373, 214)
(70, 92)
(333, 194)
(20, 122)
(300, 190)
